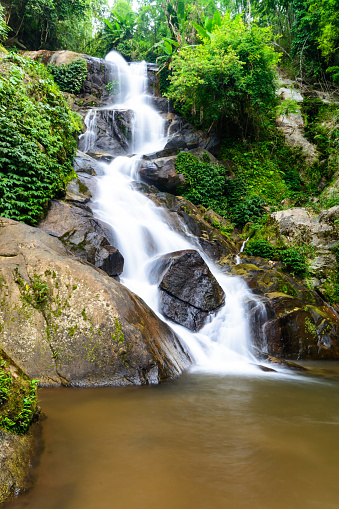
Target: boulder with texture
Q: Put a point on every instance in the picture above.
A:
(65, 322)
(288, 319)
(87, 238)
(189, 292)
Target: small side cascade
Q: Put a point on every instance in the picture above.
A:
(237, 258)
(223, 345)
(88, 139)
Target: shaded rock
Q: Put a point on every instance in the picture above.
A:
(162, 174)
(188, 290)
(111, 132)
(296, 323)
(17, 455)
(187, 138)
(110, 260)
(86, 237)
(65, 322)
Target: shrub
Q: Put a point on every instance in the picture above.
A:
(260, 248)
(18, 399)
(69, 77)
(229, 77)
(37, 141)
(293, 260)
(206, 182)
(250, 209)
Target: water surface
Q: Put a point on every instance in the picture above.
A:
(203, 441)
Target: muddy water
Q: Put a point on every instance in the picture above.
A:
(202, 442)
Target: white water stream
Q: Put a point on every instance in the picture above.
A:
(142, 234)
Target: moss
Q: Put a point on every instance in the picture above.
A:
(118, 334)
(18, 397)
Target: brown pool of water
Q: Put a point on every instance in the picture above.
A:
(201, 442)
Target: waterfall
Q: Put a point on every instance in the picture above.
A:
(142, 234)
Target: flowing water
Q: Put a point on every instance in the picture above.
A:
(142, 234)
(225, 435)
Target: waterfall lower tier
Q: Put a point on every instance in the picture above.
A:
(142, 234)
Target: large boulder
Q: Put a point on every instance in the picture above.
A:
(66, 322)
(189, 292)
(89, 239)
(112, 132)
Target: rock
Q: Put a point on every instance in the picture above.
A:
(65, 322)
(110, 260)
(77, 191)
(292, 322)
(188, 219)
(17, 455)
(101, 156)
(300, 226)
(99, 72)
(17, 452)
(111, 134)
(86, 237)
(189, 293)
(83, 163)
(162, 174)
(187, 138)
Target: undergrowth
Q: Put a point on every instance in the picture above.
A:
(293, 258)
(18, 398)
(37, 142)
(69, 77)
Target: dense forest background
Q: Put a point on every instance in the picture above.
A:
(306, 32)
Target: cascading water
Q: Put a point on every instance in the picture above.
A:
(142, 234)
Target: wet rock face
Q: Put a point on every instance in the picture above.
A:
(66, 322)
(296, 323)
(189, 293)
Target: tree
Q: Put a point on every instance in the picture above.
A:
(229, 78)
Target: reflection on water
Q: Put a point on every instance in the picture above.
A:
(202, 442)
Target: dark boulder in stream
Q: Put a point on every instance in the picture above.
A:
(189, 292)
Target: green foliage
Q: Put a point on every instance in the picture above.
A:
(249, 209)
(260, 248)
(36, 139)
(18, 399)
(322, 129)
(69, 77)
(206, 182)
(293, 258)
(3, 26)
(266, 167)
(230, 77)
(48, 23)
